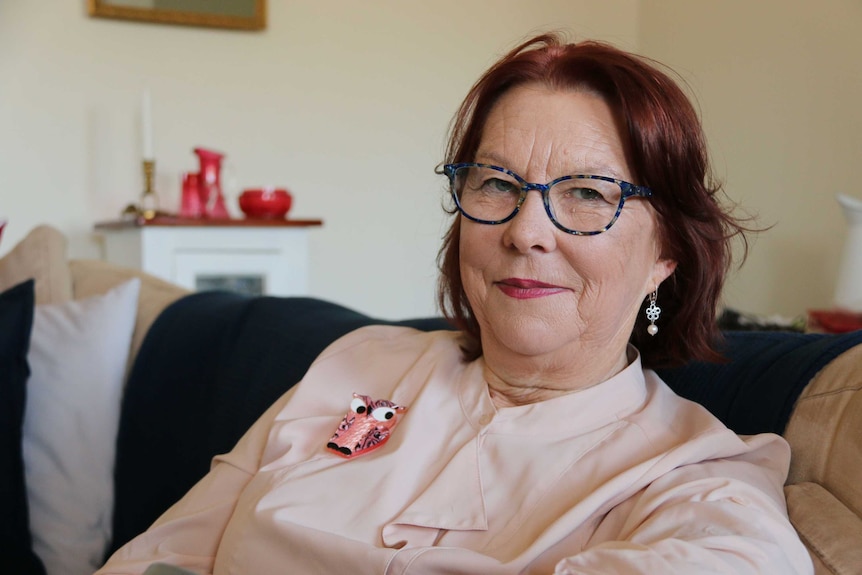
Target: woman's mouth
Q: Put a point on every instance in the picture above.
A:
(519, 288)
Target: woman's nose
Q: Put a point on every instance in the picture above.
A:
(531, 228)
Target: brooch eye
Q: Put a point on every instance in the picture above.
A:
(383, 413)
(358, 406)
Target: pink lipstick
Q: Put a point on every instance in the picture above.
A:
(519, 288)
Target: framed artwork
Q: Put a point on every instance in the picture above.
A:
(231, 14)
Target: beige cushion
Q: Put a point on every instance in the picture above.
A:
(92, 277)
(829, 529)
(41, 255)
(825, 429)
(824, 486)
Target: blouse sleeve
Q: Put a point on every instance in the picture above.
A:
(188, 534)
(720, 516)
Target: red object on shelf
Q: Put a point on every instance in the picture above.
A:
(209, 183)
(192, 206)
(265, 203)
(834, 321)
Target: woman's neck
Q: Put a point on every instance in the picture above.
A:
(516, 381)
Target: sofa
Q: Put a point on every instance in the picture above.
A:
(198, 368)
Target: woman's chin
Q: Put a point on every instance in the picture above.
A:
(526, 338)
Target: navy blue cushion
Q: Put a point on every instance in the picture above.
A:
(16, 320)
(755, 391)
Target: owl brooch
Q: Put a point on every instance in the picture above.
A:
(366, 426)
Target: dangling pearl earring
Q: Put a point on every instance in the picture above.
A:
(652, 313)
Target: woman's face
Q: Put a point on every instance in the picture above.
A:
(537, 291)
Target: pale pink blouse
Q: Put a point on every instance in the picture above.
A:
(623, 477)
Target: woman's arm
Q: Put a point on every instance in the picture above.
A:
(188, 534)
(720, 516)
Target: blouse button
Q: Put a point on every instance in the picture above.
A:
(486, 419)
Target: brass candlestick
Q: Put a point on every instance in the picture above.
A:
(149, 200)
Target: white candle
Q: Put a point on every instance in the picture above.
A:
(147, 126)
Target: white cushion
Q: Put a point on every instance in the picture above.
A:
(78, 353)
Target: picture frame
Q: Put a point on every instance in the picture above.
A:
(227, 14)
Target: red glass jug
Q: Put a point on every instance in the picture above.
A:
(209, 184)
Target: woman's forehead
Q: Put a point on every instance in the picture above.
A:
(553, 132)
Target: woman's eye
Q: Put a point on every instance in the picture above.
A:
(585, 194)
(383, 413)
(498, 185)
(358, 406)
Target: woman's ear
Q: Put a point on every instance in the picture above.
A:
(662, 270)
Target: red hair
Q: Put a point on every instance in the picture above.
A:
(666, 151)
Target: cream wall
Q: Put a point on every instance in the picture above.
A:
(780, 85)
(346, 103)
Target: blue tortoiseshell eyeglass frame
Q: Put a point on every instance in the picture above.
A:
(628, 190)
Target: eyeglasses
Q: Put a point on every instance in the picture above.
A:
(583, 205)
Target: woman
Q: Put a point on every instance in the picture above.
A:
(536, 440)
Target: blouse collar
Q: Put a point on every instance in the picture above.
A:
(574, 413)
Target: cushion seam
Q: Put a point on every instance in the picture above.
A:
(817, 551)
(831, 392)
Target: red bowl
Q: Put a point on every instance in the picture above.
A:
(265, 203)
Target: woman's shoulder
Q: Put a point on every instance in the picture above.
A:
(387, 339)
(379, 361)
(687, 426)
